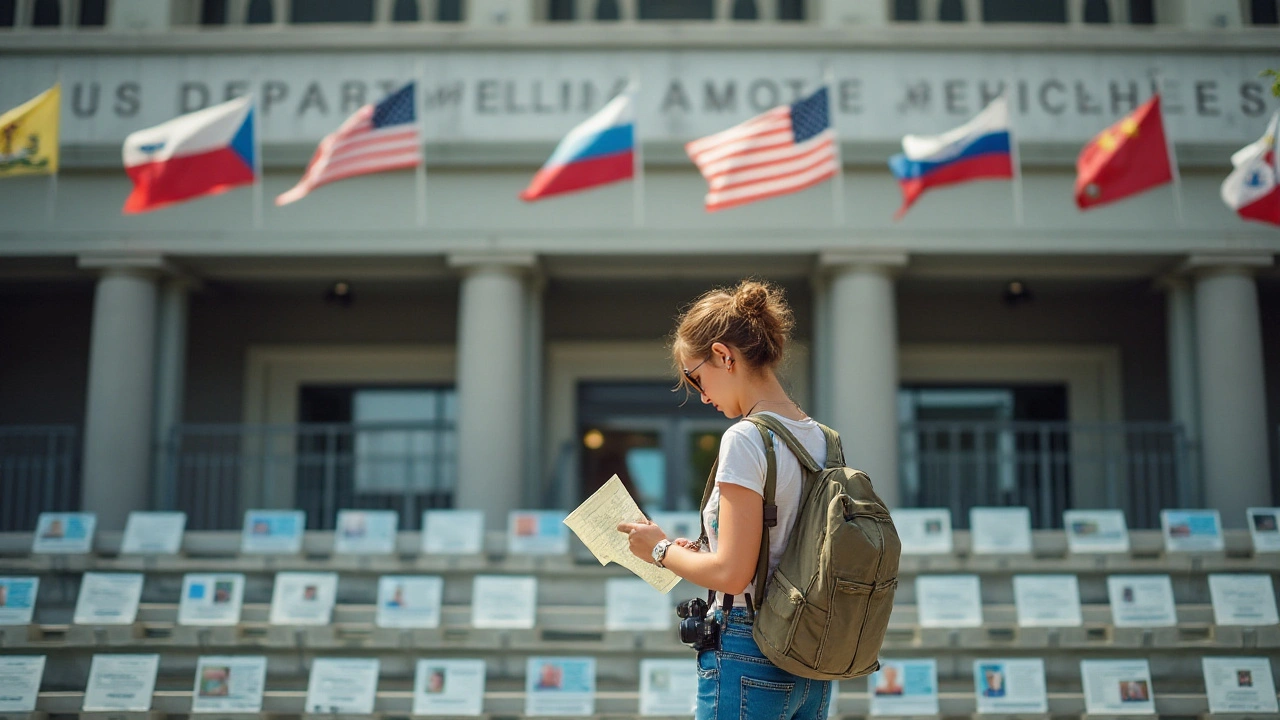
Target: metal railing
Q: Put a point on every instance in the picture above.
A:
(39, 472)
(215, 472)
(1048, 467)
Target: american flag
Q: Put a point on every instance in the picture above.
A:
(375, 138)
(784, 150)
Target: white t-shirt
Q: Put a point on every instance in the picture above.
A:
(742, 462)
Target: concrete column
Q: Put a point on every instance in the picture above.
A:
(839, 13)
(491, 377)
(171, 365)
(863, 364)
(1184, 397)
(1233, 412)
(116, 476)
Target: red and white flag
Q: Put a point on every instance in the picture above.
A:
(783, 150)
(1253, 187)
(374, 139)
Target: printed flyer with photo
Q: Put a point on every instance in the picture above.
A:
(342, 686)
(1264, 529)
(1192, 530)
(633, 604)
(229, 684)
(366, 532)
(18, 599)
(20, 677)
(273, 532)
(121, 682)
(1047, 600)
(409, 601)
(64, 533)
(996, 530)
(1243, 599)
(108, 599)
(303, 598)
(1010, 686)
(1239, 685)
(453, 532)
(449, 687)
(668, 687)
(1096, 531)
(904, 687)
(1117, 687)
(211, 599)
(924, 531)
(560, 686)
(537, 532)
(948, 601)
(1141, 601)
(153, 533)
(504, 601)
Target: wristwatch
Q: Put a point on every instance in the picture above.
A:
(660, 551)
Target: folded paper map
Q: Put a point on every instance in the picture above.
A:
(595, 522)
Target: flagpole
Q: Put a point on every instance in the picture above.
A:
(1173, 155)
(51, 198)
(1017, 162)
(837, 184)
(420, 173)
(257, 151)
(637, 182)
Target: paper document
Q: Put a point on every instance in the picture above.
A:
(595, 522)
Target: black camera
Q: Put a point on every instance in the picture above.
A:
(696, 630)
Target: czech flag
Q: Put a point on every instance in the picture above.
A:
(599, 151)
(205, 152)
(981, 149)
(1253, 187)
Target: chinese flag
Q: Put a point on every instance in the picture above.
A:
(1125, 159)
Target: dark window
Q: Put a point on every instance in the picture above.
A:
(1264, 12)
(8, 13)
(93, 13)
(1142, 12)
(791, 10)
(331, 11)
(608, 10)
(1097, 12)
(560, 10)
(677, 10)
(906, 10)
(951, 11)
(405, 11)
(744, 10)
(1045, 11)
(47, 13)
(213, 12)
(449, 11)
(261, 12)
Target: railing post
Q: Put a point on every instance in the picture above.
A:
(330, 476)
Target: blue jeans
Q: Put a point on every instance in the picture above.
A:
(737, 682)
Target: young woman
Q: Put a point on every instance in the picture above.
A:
(727, 347)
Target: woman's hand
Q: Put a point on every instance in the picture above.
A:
(642, 536)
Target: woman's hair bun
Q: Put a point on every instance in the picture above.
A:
(751, 300)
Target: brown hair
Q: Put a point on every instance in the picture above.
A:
(752, 317)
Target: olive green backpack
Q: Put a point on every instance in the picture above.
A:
(824, 611)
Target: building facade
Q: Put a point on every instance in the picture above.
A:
(361, 348)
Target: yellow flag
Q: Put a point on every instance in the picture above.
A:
(29, 136)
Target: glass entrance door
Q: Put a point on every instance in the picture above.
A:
(661, 450)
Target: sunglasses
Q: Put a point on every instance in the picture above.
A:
(688, 375)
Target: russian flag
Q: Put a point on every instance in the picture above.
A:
(1253, 187)
(203, 153)
(599, 151)
(981, 149)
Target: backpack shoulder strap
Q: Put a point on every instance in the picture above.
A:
(770, 515)
(835, 448)
(774, 425)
